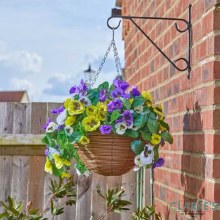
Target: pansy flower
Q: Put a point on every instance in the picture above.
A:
(158, 163)
(51, 127)
(84, 140)
(86, 101)
(102, 95)
(70, 120)
(62, 117)
(120, 84)
(48, 166)
(90, 123)
(118, 93)
(91, 110)
(57, 110)
(135, 92)
(68, 130)
(44, 127)
(128, 118)
(105, 129)
(147, 155)
(75, 107)
(121, 128)
(155, 139)
(59, 162)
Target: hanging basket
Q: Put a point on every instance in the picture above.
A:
(108, 155)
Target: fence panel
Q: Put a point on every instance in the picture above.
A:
(22, 166)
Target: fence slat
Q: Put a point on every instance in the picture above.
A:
(114, 182)
(20, 176)
(83, 205)
(36, 181)
(129, 184)
(98, 203)
(5, 177)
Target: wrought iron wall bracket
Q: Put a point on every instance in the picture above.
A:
(187, 29)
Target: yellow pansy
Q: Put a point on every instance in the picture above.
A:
(75, 107)
(101, 111)
(65, 175)
(70, 120)
(147, 96)
(91, 110)
(155, 139)
(159, 110)
(90, 123)
(48, 166)
(67, 103)
(84, 140)
(59, 162)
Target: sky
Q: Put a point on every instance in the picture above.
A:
(45, 45)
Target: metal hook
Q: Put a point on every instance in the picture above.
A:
(184, 30)
(111, 27)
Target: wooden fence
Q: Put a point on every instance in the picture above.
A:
(22, 166)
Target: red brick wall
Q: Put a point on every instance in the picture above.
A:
(192, 107)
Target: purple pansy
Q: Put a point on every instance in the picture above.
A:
(120, 84)
(44, 127)
(128, 118)
(83, 88)
(102, 95)
(118, 104)
(118, 92)
(57, 110)
(105, 129)
(135, 92)
(74, 90)
(158, 163)
(119, 120)
(110, 106)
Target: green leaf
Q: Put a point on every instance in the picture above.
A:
(132, 133)
(152, 123)
(146, 135)
(104, 85)
(115, 115)
(140, 120)
(167, 137)
(137, 146)
(127, 104)
(138, 101)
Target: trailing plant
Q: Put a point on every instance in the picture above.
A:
(116, 108)
(146, 214)
(114, 201)
(63, 193)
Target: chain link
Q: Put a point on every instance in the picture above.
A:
(116, 58)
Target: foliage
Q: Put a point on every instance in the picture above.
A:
(146, 213)
(108, 109)
(114, 201)
(62, 193)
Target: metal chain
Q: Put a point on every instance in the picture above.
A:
(101, 65)
(117, 61)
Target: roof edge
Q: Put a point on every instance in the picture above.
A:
(118, 3)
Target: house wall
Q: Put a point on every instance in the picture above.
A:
(192, 107)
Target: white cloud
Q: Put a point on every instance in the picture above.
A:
(25, 61)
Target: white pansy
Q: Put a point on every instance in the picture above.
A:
(135, 128)
(139, 108)
(86, 101)
(147, 155)
(51, 127)
(68, 130)
(62, 117)
(121, 127)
